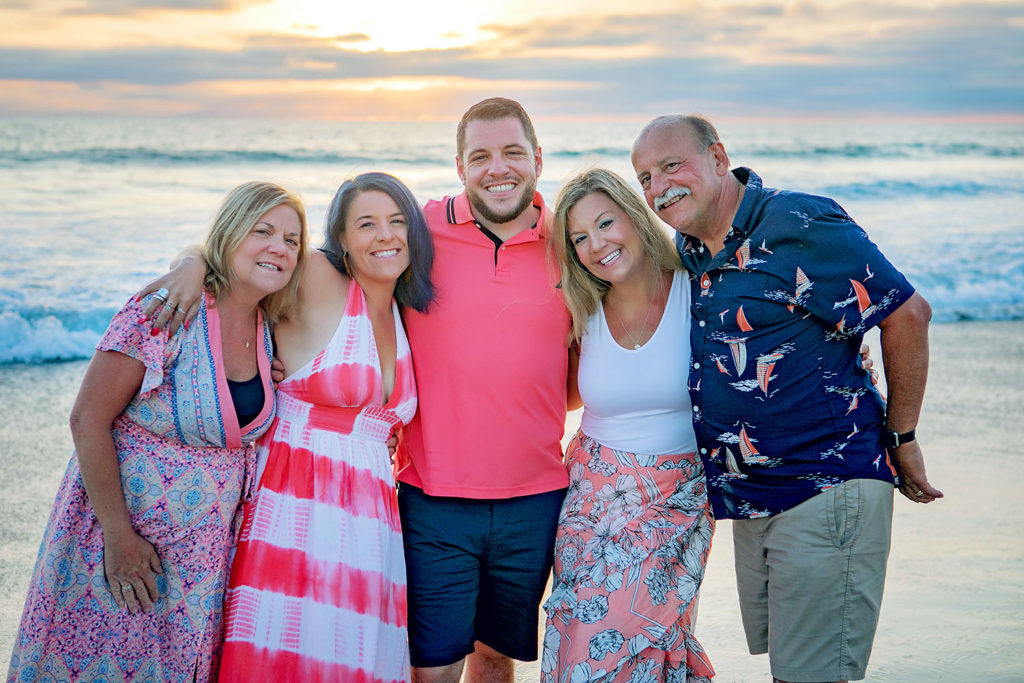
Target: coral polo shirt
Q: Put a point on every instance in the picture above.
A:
(491, 363)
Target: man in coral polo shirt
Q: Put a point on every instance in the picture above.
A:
(481, 474)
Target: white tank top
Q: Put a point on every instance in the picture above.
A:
(636, 400)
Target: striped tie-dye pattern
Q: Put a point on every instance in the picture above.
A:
(317, 590)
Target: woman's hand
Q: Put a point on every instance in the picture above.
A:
(868, 364)
(176, 295)
(131, 565)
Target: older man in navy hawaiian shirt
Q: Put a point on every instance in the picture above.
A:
(798, 445)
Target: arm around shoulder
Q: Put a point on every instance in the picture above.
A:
(184, 290)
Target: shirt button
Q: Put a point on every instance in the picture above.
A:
(703, 451)
(701, 323)
(696, 409)
(696, 366)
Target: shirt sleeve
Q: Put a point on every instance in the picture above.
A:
(127, 335)
(841, 277)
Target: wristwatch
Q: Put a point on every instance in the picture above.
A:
(894, 440)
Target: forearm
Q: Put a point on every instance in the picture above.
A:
(904, 336)
(189, 253)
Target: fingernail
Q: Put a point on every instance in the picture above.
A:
(185, 324)
(154, 332)
(142, 319)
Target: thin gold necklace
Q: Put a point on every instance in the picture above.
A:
(247, 340)
(636, 340)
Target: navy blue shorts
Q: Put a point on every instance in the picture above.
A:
(477, 571)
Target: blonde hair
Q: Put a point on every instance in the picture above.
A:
(236, 217)
(582, 290)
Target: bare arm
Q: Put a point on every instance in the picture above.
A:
(184, 285)
(905, 358)
(128, 559)
(573, 400)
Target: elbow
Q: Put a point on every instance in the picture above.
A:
(914, 314)
(921, 311)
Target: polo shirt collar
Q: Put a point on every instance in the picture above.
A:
(463, 214)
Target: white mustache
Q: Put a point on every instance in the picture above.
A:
(670, 194)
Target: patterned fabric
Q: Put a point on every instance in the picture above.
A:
(783, 409)
(633, 539)
(317, 589)
(183, 467)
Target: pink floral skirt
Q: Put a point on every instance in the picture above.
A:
(633, 539)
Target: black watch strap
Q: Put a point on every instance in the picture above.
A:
(894, 440)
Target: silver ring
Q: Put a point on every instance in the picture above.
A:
(126, 587)
(161, 294)
(179, 309)
(918, 493)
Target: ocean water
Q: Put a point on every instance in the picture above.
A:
(94, 207)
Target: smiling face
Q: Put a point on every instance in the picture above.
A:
(605, 240)
(499, 168)
(376, 238)
(681, 179)
(265, 258)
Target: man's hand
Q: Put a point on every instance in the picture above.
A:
(909, 462)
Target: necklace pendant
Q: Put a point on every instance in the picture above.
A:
(246, 344)
(636, 347)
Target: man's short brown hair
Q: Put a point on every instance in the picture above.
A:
(494, 109)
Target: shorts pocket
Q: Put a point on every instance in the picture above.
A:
(845, 510)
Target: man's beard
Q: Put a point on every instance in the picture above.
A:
(479, 204)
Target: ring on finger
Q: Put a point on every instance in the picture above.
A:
(161, 294)
(179, 309)
(918, 493)
(127, 588)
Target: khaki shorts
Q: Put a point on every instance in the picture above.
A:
(810, 581)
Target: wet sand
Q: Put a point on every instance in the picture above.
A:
(954, 603)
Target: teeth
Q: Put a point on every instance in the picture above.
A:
(387, 253)
(610, 257)
(504, 187)
(670, 197)
(268, 266)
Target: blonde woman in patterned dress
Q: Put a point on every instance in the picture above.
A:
(635, 528)
(130, 576)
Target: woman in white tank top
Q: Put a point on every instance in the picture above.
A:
(635, 528)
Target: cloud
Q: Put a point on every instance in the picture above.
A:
(122, 7)
(769, 57)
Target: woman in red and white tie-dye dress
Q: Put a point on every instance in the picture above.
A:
(317, 589)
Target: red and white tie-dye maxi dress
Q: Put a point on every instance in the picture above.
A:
(318, 589)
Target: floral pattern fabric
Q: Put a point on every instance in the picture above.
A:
(634, 536)
(183, 463)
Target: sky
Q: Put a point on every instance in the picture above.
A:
(564, 59)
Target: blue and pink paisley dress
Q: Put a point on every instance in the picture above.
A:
(184, 463)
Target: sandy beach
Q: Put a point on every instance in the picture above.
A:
(954, 604)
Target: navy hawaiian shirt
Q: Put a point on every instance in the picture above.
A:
(782, 407)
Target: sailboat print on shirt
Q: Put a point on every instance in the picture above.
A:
(863, 300)
(765, 366)
(749, 454)
(732, 468)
